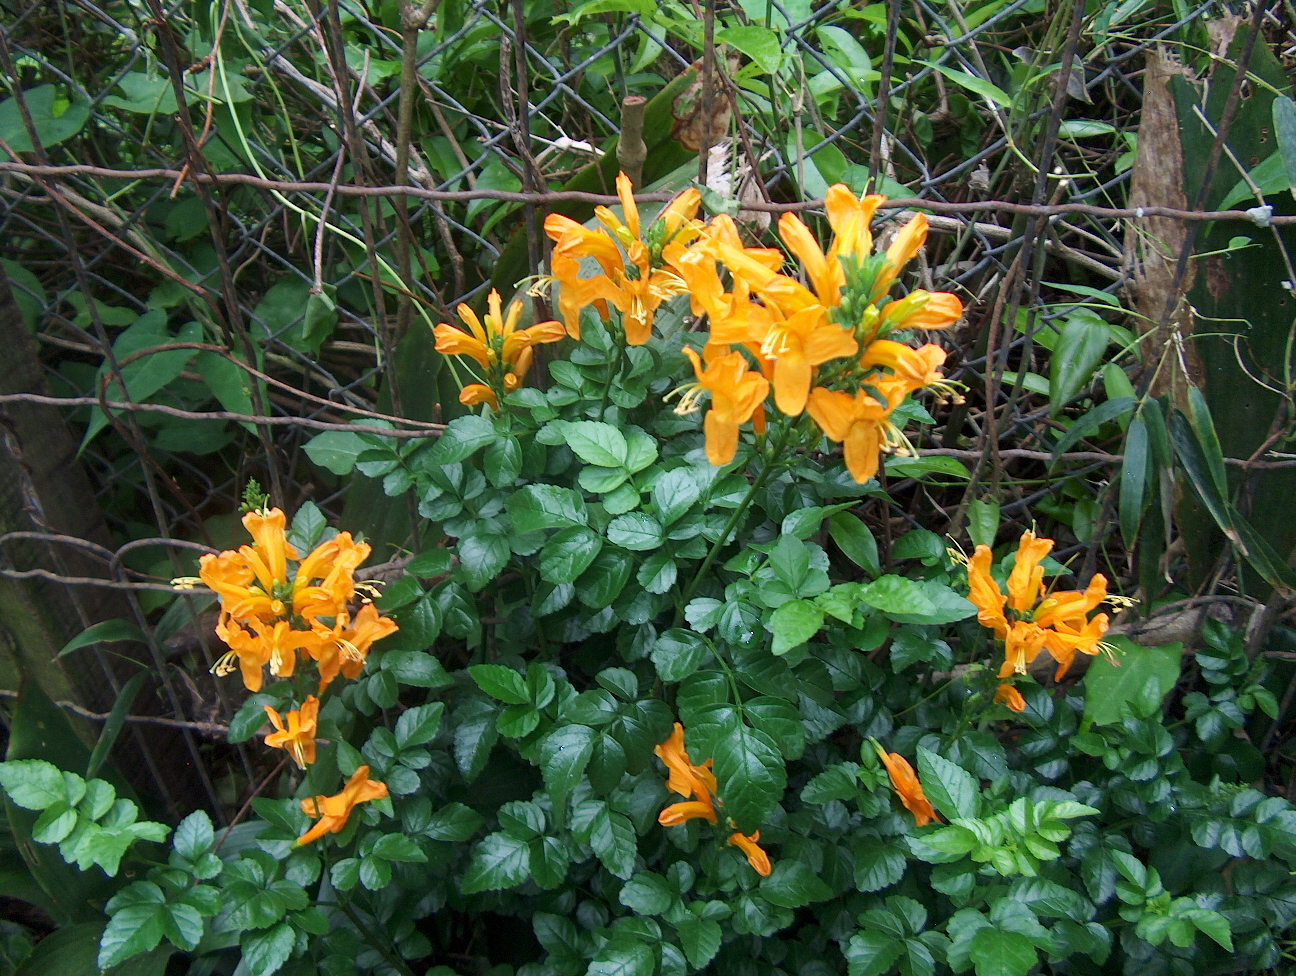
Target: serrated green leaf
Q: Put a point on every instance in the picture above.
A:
(498, 861)
(791, 884)
(501, 682)
(597, 443)
(750, 775)
(794, 623)
(677, 653)
(950, 787)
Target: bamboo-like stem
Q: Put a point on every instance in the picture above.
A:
(631, 151)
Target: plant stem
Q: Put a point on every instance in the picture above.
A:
(393, 960)
(756, 485)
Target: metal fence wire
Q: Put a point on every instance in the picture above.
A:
(229, 225)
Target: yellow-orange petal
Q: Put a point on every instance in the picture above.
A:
(907, 787)
(455, 342)
(681, 813)
(475, 393)
(1027, 575)
(756, 856)
(1007, 695)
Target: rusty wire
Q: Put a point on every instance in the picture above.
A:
(1002, 207)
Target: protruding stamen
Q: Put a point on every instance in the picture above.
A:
(226, 664)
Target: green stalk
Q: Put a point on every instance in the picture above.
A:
(768, 469)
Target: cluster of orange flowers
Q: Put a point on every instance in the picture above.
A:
(1029, 619)
(821, 350)
(266, 618)
(498, 346)
(698, 781)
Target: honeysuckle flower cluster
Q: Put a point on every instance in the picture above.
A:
(774, 343)
(268, 617)
(697, 784)
(502, 350)
(1030, 619)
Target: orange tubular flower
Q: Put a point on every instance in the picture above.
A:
(903, 249)
(923, 310)
(736, 393)
(298, 738)
(680, 813)
(907, 786)
(756, 857)
(685, 778)
(797, 345)
(1007, 695)
(850, 219)
(985, 593)
(497, 345)
(635, 285)
(271, 552)
(637, 299)
(859, 422)
(1028, 575)
(1022, 646)
(1058, 623)
(250, 653)
(475, 393)
(1064, 640)
(344, 647)
(825, 273)
(575, 240)
(333, 563)
(912, 368)
(230, 576)
(333, 811)
(455, 342)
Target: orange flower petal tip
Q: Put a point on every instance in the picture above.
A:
(1009, 696)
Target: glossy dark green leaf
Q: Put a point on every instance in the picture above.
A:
(537, 507)
(564, 753)
(751, 776)
(498, 861)
(1078, 353)
(481, 557)
(107, 632)
(794, 623)
(605, 579)
(1085, 426)
(568, 554)
(461, 438)
(1135, 472)
(950, 787)
(791, 884)
(677, 653)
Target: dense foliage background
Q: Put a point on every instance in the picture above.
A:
(228, 232)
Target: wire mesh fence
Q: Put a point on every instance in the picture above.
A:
(229, 227)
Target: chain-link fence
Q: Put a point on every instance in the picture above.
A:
(229, 227)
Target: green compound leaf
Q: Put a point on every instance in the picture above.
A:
(677, 653)
(597, 443)
(33, 784)
(995, 952)
(461, 438)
